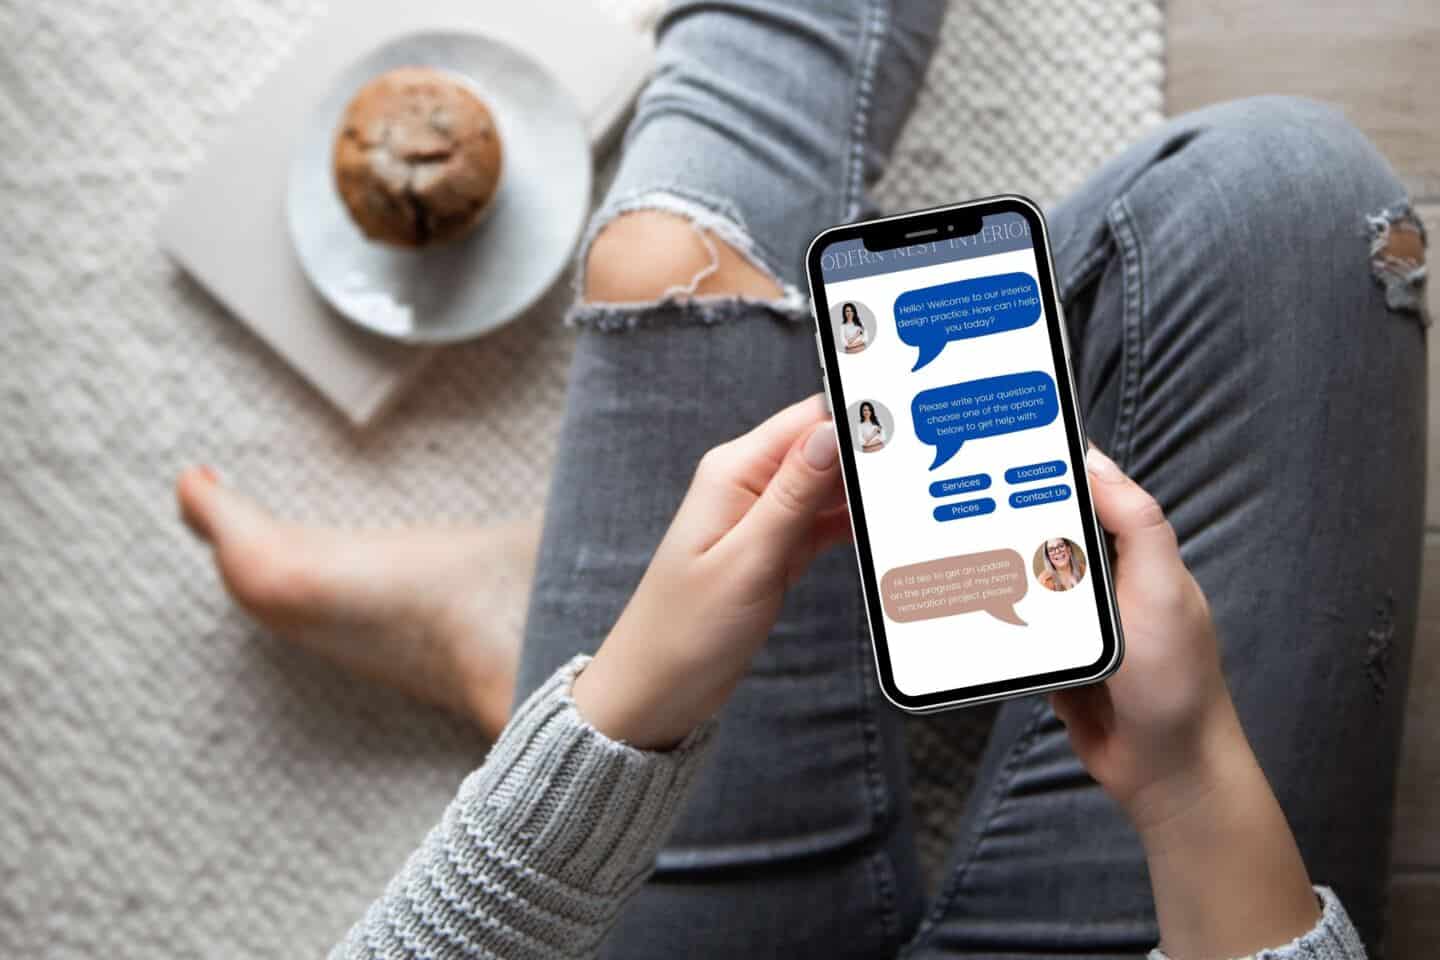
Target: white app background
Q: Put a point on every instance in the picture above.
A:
(969, 648)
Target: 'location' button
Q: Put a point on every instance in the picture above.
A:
(1035, 471)
(963, 509)
(970, 484)
(1034, 498)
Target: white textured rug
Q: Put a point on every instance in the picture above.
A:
(173, 782)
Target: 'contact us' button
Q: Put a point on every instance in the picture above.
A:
(1033, 498)
(963, 509)
(1036, 471)
(958, 485)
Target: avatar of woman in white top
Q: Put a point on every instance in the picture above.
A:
(852, 330)
(872, 431)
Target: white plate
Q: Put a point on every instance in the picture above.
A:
(461, 290)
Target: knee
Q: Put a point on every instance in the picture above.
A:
(1327, 181)
(1287, 191)
(648, 255)
(1294, 162)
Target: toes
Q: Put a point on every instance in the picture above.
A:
(258, 557)
(193, 493)
(217, 514)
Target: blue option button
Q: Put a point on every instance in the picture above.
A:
(1033, 498)
(965, 508)
(949, 488)
(1035, 471)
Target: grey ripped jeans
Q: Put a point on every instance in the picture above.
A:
(1238, 352)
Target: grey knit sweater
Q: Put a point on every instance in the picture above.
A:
(548, 839)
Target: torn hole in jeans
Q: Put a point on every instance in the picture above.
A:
(1379, 641)
(680, 304)
(1397, 258)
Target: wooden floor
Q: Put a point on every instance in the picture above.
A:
(1379, 61)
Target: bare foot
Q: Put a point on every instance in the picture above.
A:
(436, 613)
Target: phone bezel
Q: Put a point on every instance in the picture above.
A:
(1112, 640)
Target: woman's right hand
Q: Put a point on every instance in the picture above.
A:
(1163, 738)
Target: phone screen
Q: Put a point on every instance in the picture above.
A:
(964, 459)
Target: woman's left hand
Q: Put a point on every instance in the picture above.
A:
(758, 511)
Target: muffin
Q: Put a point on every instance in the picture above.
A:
(417, 158)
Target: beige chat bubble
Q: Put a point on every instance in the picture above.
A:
(993, 581)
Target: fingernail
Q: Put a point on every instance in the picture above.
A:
(209, 474)
(1102, 466)
(820, 449)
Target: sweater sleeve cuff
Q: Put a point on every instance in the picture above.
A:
(541, 846)
(1332, 938)
(571, 803)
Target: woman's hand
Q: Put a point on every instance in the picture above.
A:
(1163, 738)
(1167, 712)
(758, 511)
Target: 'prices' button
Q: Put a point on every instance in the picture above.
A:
(965, 508)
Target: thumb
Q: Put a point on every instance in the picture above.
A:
(784, 515)
(1133, 517)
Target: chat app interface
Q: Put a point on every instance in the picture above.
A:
(962, 459)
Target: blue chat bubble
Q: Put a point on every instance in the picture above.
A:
(965, 508)
(1035, 471)
(949, 488)
(931, 317)
(1033, 498)
(946, 417)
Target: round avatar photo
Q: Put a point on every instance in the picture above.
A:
(854, 325)
(1059, 564)
(872, 425)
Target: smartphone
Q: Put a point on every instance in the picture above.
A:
(946, 365)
